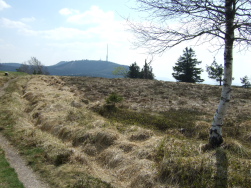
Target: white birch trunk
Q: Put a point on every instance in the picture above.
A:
(216, 138)
(216, 129)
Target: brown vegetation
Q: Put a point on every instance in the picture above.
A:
(155, 138)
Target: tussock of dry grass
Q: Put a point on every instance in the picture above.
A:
(54, 122)
(193, 171)
(140, 135)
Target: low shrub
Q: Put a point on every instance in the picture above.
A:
(114, 98)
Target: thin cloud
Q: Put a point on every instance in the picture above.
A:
(4, 22)
(93, 16)
(3, 5)
(63, 33)
(67, 11)
(21, 27)
(27, 20)
(97, 24)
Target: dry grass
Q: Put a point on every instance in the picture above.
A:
(153, 139)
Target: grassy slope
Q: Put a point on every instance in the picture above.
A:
(154, 139)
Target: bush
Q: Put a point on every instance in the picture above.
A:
(113, 99)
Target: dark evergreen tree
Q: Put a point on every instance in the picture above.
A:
(146, 72)
(215, 71)
(134, 71)
(245, 82)
(185, 69)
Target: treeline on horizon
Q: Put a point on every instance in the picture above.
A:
(185, 69)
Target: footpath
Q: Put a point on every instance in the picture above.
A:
(25, 174)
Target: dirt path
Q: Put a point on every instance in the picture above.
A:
(25, 173)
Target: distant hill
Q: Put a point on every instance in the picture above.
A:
(84, 68)
(75, 68)
(9, 66)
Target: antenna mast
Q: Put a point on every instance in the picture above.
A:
(107, 54)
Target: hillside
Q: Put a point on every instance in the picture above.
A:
(75, 68)
(9, 66)
(155, 138)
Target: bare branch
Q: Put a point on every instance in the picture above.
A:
(177, 21)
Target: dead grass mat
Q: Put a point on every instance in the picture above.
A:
(71, 146)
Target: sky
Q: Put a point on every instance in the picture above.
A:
(65, 30)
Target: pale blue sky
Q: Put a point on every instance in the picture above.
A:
(62, 30)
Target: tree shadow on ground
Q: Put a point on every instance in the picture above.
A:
(221, 177)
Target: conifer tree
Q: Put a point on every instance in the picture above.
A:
(134, 71)
(215, 71)
(146, 72)
(185, 69)
(245, 82)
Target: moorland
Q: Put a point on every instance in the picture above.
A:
(153, 138)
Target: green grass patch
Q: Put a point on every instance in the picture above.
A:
(34, 156)
(6, 118)
(86, 181)
(13, 73)
(8, 176)
(182, 118)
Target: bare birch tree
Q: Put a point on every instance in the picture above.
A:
(33, 66)
(227, 22)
